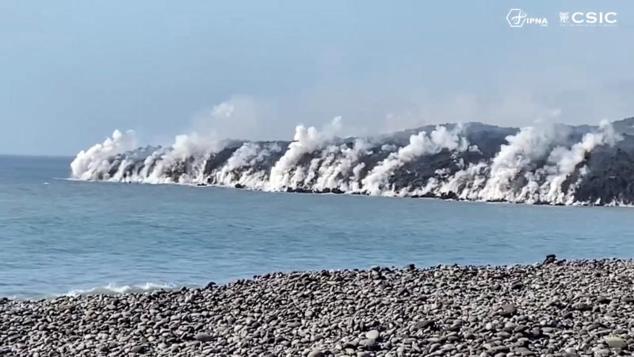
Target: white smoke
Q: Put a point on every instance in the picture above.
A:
(516, 173)
(336, 167)
(564, 161)
(538, 164)
(388, 147)
(94, 164)
(522, 150)
(465, 183)
(188, 150)
(246, 155)
(196, 146)
(420, 144)
(532, 167)
(305, 141)
(240, 167)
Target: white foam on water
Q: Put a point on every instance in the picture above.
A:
(113, 289)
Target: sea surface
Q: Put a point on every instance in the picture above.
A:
(59, 236)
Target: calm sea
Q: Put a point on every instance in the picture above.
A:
(59, 236)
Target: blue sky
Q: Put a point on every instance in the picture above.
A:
(73, 71)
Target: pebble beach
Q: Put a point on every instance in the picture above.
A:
(554, 308)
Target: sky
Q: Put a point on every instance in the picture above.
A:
(73, 71)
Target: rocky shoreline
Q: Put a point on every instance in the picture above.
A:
(557, 308)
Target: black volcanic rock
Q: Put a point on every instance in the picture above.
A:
(611, 174)
(603, 174)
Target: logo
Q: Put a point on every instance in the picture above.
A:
(564, 17)
(518, 18)
(588, 18)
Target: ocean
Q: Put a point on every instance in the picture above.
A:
(61, 236)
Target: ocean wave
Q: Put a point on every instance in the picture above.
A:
(113, 289)
(544, 164)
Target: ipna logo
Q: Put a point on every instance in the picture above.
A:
(519, 18)
(516, 17)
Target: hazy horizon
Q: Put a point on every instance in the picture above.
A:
(74, 72)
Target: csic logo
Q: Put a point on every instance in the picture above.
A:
(588, 18)
(518, 18)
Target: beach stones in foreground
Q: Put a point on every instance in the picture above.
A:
(558, 308)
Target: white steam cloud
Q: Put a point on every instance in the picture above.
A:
(94, 163)
(532, 167)
(565, 161)
(305, 141)
(538, 164)
(420, 144)
(240, 167)
(522, 150)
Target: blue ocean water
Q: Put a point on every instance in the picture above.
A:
(58, 236)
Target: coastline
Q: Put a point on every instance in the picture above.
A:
(336, 192)
(557, 308)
